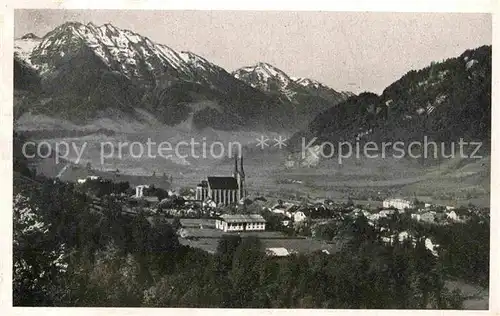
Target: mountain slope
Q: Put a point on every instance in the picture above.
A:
(87, 69)
(264, 76)
(445, 101)
(23, 47)
(308, 97)
(270, 79)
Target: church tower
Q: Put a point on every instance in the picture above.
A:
(242, 187)
(236, 175)
(239, 175)
(235, 172)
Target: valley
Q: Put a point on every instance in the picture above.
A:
(149, 175)
(453, 181)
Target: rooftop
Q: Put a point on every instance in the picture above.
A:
(223, 183)
(240, 218)
(278, 252)
(398, 200)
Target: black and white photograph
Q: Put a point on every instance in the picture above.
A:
(251, 159)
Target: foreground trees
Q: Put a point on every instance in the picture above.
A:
(103, 257)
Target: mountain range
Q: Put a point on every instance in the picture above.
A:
(80, 72)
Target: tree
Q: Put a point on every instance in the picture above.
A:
(244, 274)
(226, 248)
(38, 262)
(176, 224)
(161, 194)
(185, 191)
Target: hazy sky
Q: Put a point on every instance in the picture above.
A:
(346, 50)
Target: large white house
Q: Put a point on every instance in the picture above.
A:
(299, 216)
(139, 190)
(399, 204)
(239, 222)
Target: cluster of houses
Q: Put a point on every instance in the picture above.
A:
(431, 213)
(298, 212)
(212, 195)
(84, 180)
(426, 212)
(407, 236)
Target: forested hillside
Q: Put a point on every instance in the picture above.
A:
(445, 101)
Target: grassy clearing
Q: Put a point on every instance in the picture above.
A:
(207, 239)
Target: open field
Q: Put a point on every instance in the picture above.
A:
(67, 171)
(207, 239)
(476, 297)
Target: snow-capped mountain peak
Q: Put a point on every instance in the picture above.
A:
(141, 71)
(198, 62)
(307, 82)
(263, 76)
(270, 79)
(122, 50)
(30, 36)
(23, 47)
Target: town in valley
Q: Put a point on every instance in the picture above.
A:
(295, 218)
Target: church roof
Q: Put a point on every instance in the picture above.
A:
(223, 183)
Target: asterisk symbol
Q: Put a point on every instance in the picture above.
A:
(280, 142)
(262, 141)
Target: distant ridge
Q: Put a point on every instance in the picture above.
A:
(30, 36)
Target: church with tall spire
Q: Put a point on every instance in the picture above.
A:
(224, 190)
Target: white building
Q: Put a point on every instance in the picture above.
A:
(433, 248)
(299, 216)
(81, 181)
(402, 236)
(209, 203)
(399, 204)
(285, 208)
(277, 252)
(452, 216)
(239, 222)
(429, 217)
(139, 190)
